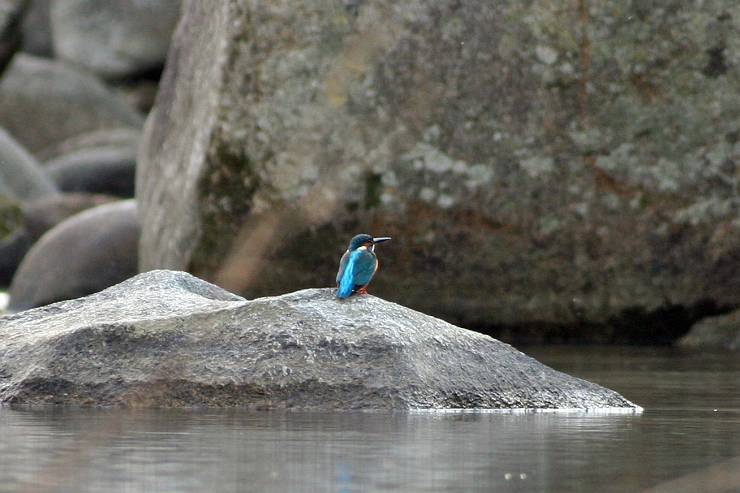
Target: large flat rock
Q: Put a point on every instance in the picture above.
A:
(166, 338)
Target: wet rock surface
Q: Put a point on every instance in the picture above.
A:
(83, 254)
(535, 166)
(168, 339)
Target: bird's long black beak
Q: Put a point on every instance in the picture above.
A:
(381, 239)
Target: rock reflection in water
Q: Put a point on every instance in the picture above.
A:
(678, 434)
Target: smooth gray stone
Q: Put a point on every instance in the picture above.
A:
(114, 38)
(41, 215)
(118, 138)
(45, 102)
(83, 254)
(106, 170)
(168, 339)
(37, 217)
(21, 175)
(12, 250)
(37, 30)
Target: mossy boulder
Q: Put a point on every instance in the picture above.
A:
(536, 165)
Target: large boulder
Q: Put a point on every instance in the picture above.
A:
(114, 38)
(104, 170)
(35, 218)
(44, 102)
(21, 175)
(536, 166)
(721, 332)
(83, 254)
(168, 339)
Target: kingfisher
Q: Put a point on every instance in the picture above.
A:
(358, 265)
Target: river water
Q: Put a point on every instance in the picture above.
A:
(690, 429)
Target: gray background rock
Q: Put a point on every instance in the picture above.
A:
(11, 15)
(21, 176)
(714, 333)
(114, 38)
(168, 339)
(122, 138)
(44, 102)
(13, 247)
(83, 254)
(104, 170)
(34, 219)
(37, 29)
(536, 166)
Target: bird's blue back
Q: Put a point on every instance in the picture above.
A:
(356, 268)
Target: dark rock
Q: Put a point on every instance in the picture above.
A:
(522, 186)
(21, 176)
(37, 30)
(10, 215)
(141, 94)
(85, 253)
(13, 248)
(11, 15)
(82, 34)
(35, 219)
(41, 215)
(722, 332)
(106, 170)
(168, 339)
(45, 102)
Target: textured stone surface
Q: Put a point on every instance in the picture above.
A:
(721, 332)
(536, 164)
(114, 38)
(105, 170)
(44, 102)
(21, 176)
(85, 253)
(168, 339)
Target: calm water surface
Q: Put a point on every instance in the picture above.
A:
(691, 421)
